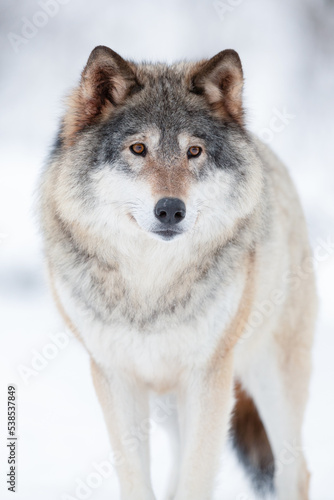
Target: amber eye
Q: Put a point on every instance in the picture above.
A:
(194, 151)
(138, 149)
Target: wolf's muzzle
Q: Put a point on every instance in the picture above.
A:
(170, 211)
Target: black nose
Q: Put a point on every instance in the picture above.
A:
(170, 210)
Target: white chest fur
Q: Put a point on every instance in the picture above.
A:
(161, 352)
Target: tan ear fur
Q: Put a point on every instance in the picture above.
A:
(220, 80)
(106, 81)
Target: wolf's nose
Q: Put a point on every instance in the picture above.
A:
(170, 210)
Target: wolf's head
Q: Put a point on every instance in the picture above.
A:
(158, 151)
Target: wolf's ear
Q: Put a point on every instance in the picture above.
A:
(106, 81)
(220, 80)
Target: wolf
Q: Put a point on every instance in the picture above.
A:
(178, 254)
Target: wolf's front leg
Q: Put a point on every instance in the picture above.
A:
(206, 401)
(125, 407)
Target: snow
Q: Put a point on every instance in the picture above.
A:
(287, 52)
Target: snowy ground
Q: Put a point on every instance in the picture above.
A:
(287, 53)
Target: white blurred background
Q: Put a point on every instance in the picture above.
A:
(287, 50)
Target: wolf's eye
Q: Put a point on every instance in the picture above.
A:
(194, 151)
(138, 149)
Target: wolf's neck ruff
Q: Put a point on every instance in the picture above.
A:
(148, 280)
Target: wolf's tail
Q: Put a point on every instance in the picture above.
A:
(250, 440)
